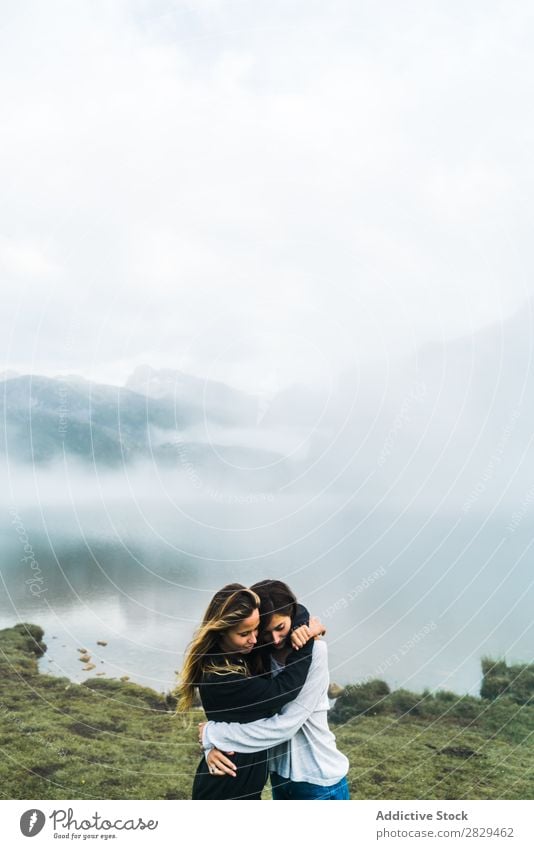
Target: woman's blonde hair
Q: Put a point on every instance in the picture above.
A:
(228, 607)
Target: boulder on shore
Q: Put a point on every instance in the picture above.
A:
(335, 691)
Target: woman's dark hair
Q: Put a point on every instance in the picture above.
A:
(275, 598)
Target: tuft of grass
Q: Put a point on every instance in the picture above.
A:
(368, 698)
(516, 681)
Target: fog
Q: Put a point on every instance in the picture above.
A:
(232, 188)
(275, 260)
(448, 431)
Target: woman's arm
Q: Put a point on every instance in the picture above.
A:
(257, 695)
(264, 733)
(305, 627)
(302, 633)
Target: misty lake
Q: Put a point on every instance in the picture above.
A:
(414, 600)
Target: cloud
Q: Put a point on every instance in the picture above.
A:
(233, 186)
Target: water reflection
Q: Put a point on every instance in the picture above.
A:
(444, 593)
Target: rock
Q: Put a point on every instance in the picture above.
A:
(82, 651)
(124, 678)
(85, 658)
(335, 691)
(101, 643)
(100, 673)
(89, 667)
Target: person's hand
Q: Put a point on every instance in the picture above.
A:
(300, 636)
(316, 627)
(219, 764)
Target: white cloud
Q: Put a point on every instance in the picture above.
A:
(231, 186)
(20, 258)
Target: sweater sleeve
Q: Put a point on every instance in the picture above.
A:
(264, 733)
(259, 694)
(301, 617)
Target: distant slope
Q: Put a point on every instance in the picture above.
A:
(452, 425)
(45, 418)
(204, 398)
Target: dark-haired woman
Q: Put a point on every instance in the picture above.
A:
(218, 663)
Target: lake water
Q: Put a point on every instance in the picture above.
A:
(413, 600)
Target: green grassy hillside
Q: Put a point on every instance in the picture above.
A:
(115, 740)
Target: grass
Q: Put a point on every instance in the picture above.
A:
(108, 739)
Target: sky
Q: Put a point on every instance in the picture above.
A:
(260, 193)
(276, 192)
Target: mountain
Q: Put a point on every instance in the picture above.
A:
(202, 398)
(47, 418)
(454, 421)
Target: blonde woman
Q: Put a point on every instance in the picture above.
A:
(218, 662)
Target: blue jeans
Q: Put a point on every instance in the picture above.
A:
(283, 788)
